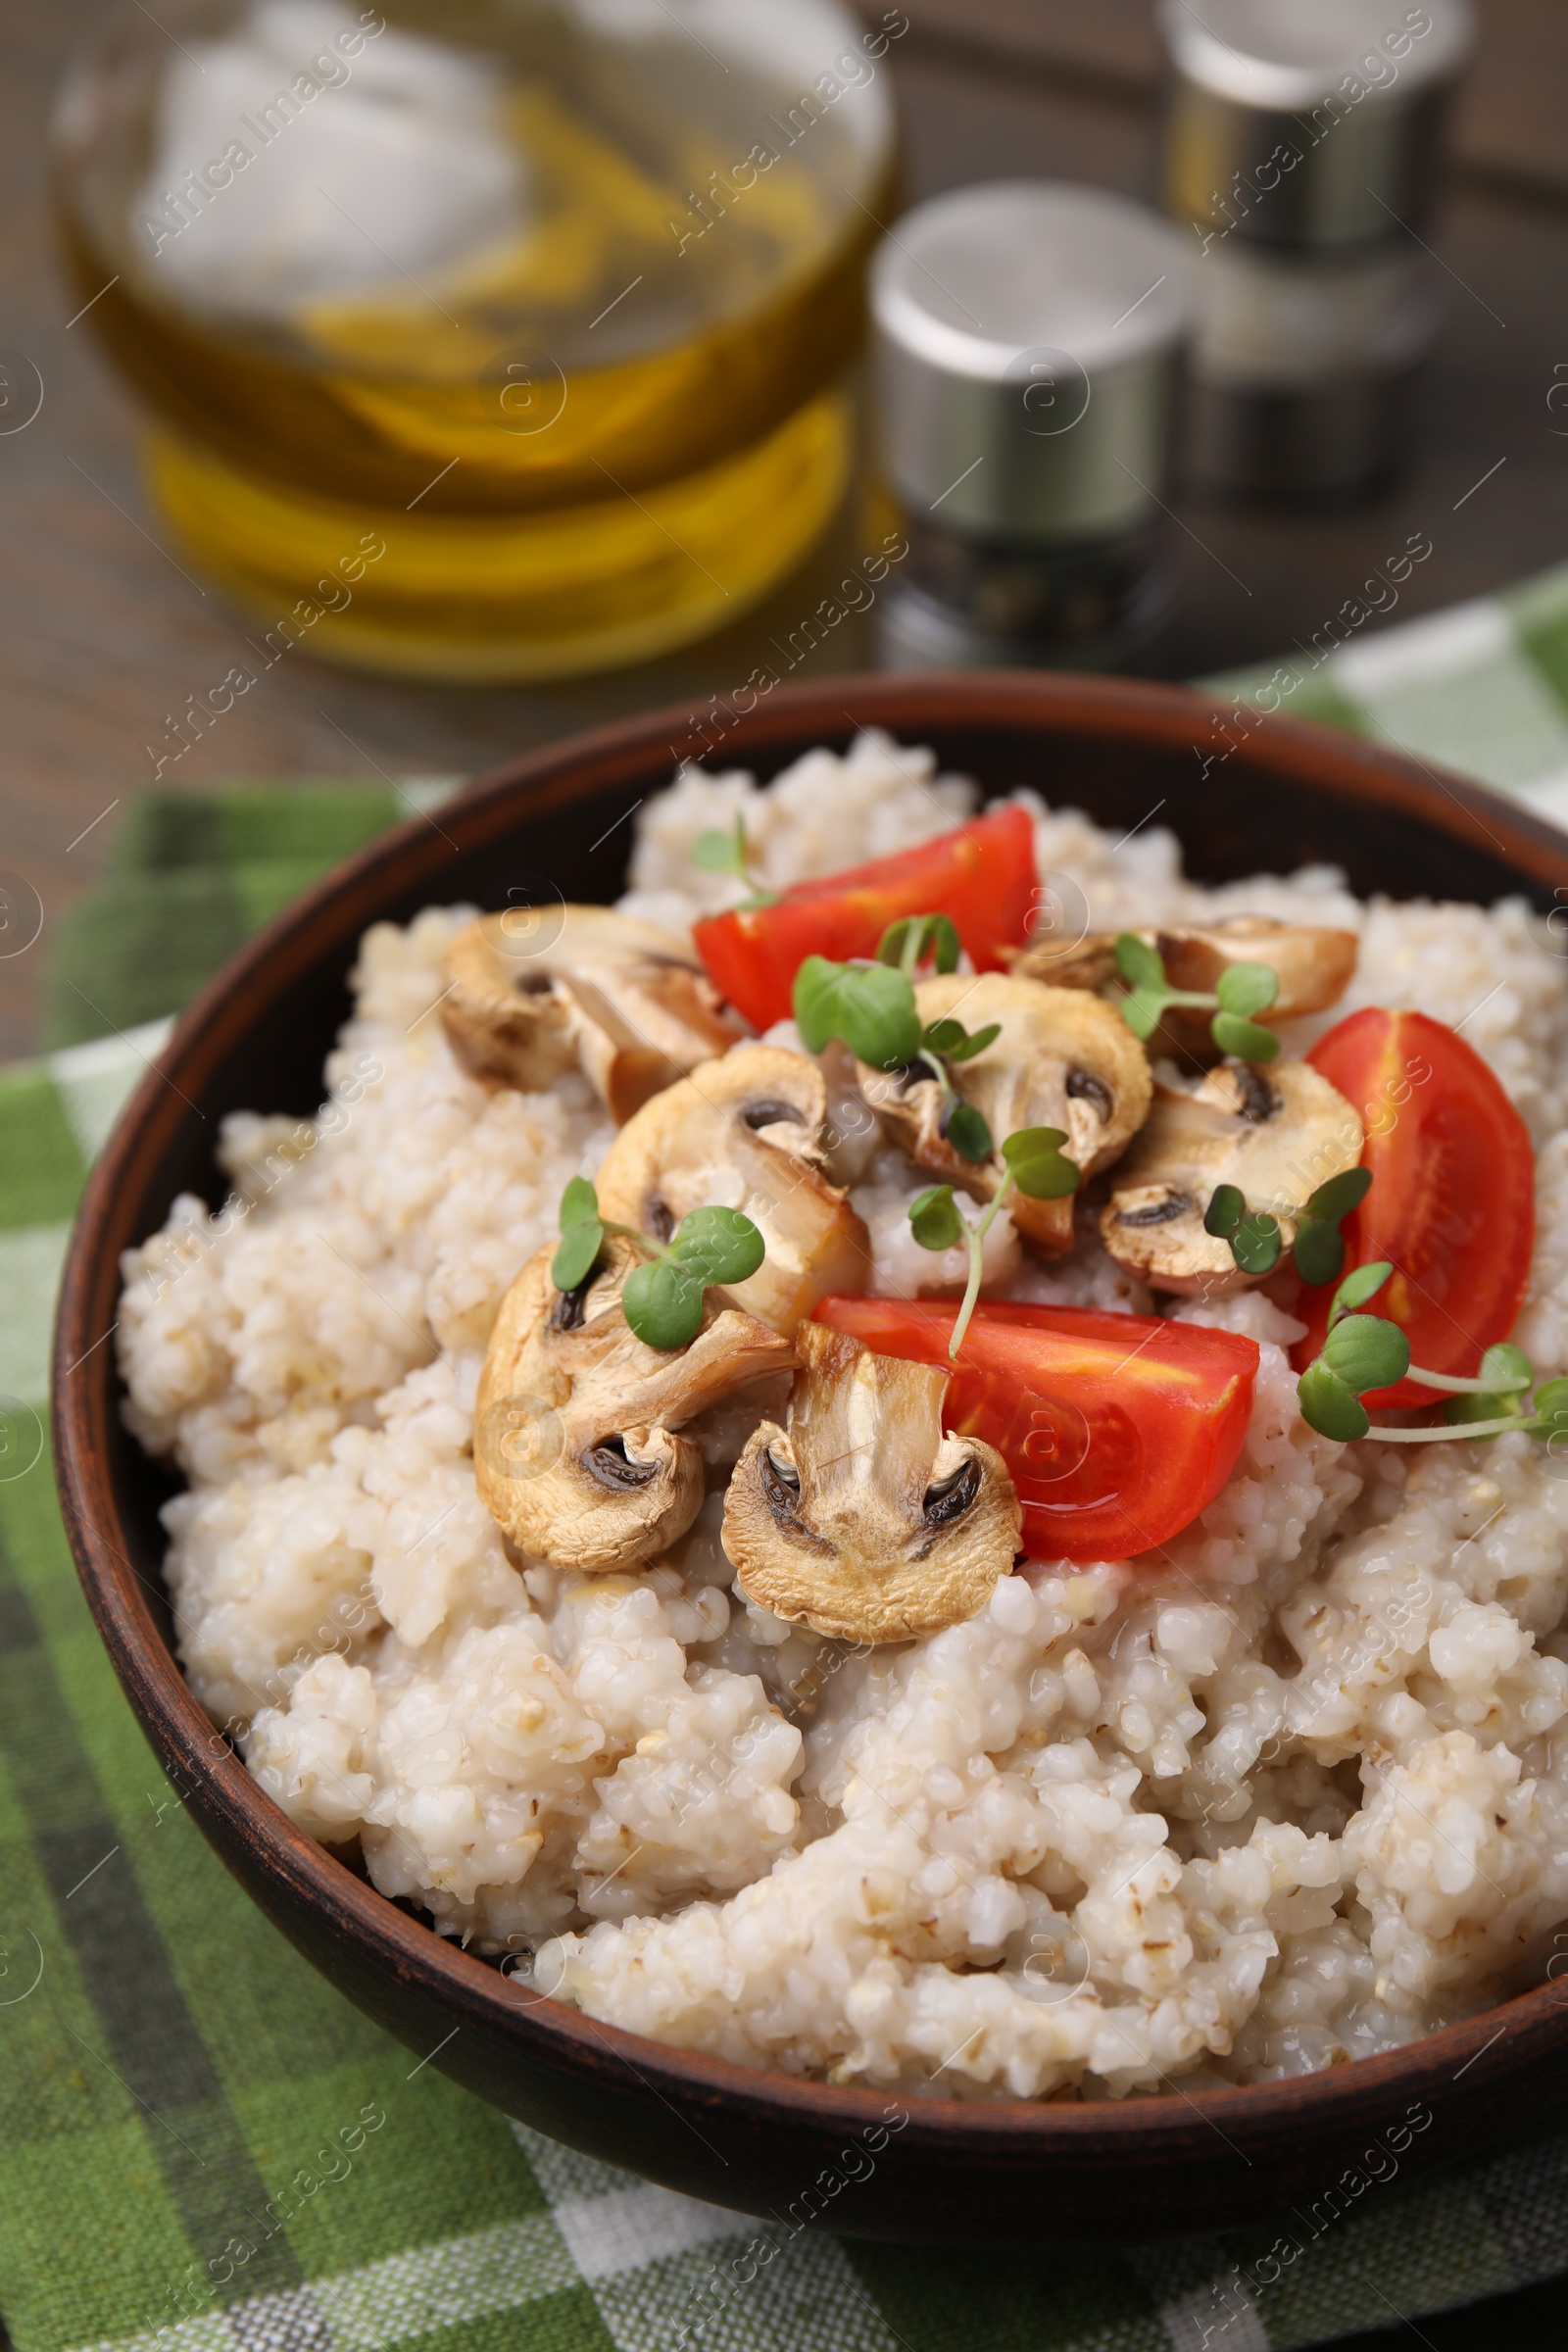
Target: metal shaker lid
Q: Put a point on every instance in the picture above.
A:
(1027, 335)
(1309, 123)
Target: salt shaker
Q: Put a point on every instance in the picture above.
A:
(1029, 338)
(1303, 145)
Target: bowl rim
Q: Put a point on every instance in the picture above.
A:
(301, 1872)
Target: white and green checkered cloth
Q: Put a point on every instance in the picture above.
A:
(1480, 687)
(204, 2147)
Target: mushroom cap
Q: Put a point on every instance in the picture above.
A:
(862, 1519)
(1312, 964)
(574, 1450)
(745, 1133)
(627, 1003)
(1276, 1133)
(1063, 1060)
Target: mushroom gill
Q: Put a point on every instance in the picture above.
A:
(627, 1002)
(745, 1133)
(1062, 1059)
(577, 1452)
(1276, 1132)
(861, 1519)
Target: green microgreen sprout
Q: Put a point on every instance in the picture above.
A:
(1255, 1238)
(719, 850)
(1319, 1247)
(917, 939)
(1036, 1165)
(663, 1296)
(1359, 1353)
(1363, 1352)
(1359, 1284)
(1240, 990)
(1253, 1234)
(871, 1006)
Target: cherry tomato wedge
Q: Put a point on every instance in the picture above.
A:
(982, 875)
(1452, 1198)
(1117, 1429)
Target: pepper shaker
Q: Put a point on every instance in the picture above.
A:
(1302, 154)
(1029, 337)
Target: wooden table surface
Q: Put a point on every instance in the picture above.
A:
(101, 634)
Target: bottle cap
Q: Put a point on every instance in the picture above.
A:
(1308, 123)
(1028, 336)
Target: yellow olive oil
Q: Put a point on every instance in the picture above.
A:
(552, 304)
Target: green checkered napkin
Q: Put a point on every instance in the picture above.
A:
(188, 876)
(198, 2136)
(1482, 687)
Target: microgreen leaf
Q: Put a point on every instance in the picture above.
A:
(1339, 1195)
(663, 1302)
(1139, 964)
(582, 1235)
(718, 851)
(1039, 1166)
(815, 1000)
(575, 1259)
(1247, 988)
(717, 1244)
(1359, 1284)
(1319, 1244)
(579, 1204)
(934, 1219)
(1254, 1240)
(941, 1035)
(1506, 1367)
(1329, 1407)
(1256, 1243)
(964, 1047)
(1142, 1011)
(917, 939)
(1550, 1418)
(1366, 1353)
(968, 1132)
(1242, 1039)
(1319, 1250)
(871, 1006)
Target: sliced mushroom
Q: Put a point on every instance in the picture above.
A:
(627, 1003)
(862, 1519)
(575, 1452)
(1313, 965)
(1062, 1059)
(1276, 1133)
(745, 1133)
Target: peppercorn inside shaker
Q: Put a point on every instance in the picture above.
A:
(1029, 338)
(1302, 151)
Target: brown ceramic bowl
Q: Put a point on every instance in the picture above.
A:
(993, 2173)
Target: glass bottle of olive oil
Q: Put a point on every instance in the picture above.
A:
(513, 332)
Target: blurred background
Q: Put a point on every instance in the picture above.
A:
(137, 581)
